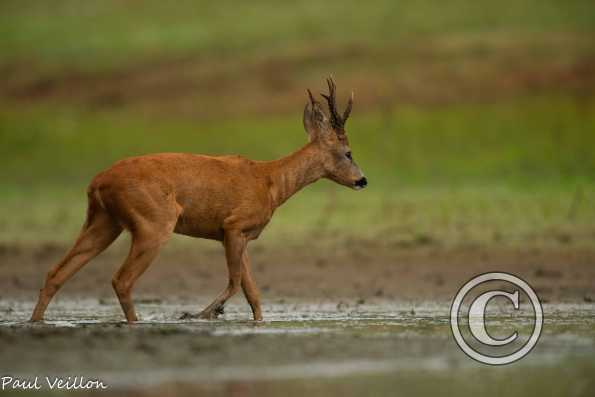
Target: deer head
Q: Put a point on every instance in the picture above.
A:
(328, 135)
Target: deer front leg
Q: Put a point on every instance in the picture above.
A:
(235, 245)
(249, 287)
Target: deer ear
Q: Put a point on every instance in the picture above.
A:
(315, 121)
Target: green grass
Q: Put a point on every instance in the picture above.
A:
(539, 141)
(96, 35)
(521, 172)
(407, 217)
(473, 121)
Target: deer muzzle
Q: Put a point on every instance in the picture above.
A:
(361, 183)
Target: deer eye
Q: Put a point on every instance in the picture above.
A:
(348, 155)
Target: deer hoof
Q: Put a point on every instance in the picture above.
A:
(212, 314)
(219, 310)
(204, 315)
(188, 316)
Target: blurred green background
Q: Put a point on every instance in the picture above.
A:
(474, 120)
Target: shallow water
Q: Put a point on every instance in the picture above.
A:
(368, 346)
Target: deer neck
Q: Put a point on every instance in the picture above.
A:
(290, 174)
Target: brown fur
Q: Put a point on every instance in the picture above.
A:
(228, 198)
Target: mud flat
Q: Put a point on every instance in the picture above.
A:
(348, 347)
(360, 270)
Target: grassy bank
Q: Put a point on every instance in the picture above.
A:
(407, 217)
(503, 173)
(473, 122)
(539, 140)
(98, 35)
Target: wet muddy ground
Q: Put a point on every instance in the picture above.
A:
(388, 347)
(353, 320)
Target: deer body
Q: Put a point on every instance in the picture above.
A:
(206, 194)
(226, 198)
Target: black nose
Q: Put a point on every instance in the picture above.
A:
(361, 182)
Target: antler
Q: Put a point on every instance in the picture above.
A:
(347, 111)
(337, 121)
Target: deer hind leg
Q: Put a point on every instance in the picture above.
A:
(99, 231)
(235, 245)
(143, 251)
(249, 287)
(147, 238)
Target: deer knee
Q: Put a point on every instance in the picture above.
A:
(121, 287)
(51, 286)
(234, 285)
(145, 245)
(50, 275)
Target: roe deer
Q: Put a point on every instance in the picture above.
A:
(228, 198)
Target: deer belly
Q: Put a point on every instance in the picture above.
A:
(205, 225)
